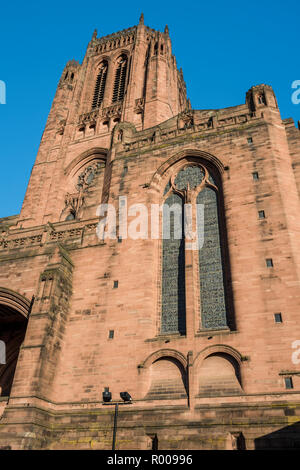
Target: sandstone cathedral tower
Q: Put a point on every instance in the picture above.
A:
(205, 341)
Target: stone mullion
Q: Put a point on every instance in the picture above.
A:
(190, 286)
(191, 380)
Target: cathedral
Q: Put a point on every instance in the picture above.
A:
(202, 340)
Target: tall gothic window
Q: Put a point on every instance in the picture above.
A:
(120, 79)
(193, 184)
(212, 292)
(173, 266)
(100, 85)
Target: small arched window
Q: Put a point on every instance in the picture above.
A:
(120, 78)
(261, 99)
(100, 85)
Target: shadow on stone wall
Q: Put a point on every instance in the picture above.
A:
(285, 438)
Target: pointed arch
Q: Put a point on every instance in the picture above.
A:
(85, 158)
(177, 160)
(218, 371)
(165, 375)
(13, 301)
(14, 312)
(217, 348)
(164, 353)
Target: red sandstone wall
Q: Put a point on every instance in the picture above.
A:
(67, 356)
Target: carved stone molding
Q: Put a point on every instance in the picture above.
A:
(86, 178)
(46, 234)
(114, 111)
(6, 243)
(188, 123)
(73, 201)
(61, 126)
(65, 234)
(185, 120)
(88, 118)
(139, 105)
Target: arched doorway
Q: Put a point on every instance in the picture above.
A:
(14, 310)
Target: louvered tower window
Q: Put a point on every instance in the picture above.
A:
(120, 79)
(100, 86)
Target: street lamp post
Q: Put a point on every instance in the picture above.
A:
(115, 426)
(107, 400)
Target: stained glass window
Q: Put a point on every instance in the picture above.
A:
(212, 294)
(173, 269)
(211, 269)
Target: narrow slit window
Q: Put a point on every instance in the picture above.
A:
(278, 317)
(288, 383)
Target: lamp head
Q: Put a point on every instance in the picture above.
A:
(125, 396)
(106, 395)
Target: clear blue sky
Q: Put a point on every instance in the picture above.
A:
(223, 47)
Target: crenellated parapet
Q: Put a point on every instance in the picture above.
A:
(190, 123)
(114, 41)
